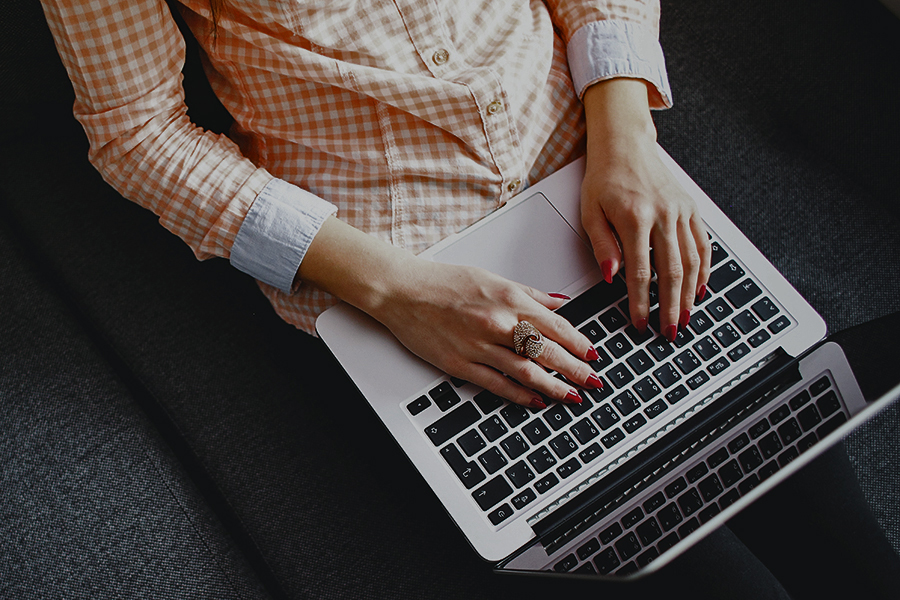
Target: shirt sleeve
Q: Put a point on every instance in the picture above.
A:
(607, 38)
(124, 58)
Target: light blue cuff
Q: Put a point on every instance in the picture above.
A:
(606, 49)
(277, 232)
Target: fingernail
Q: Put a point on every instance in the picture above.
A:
(607, 267)
(641, 325)
(671, 332)
(702, 293)
(592, 354)
(685, 318)
(561, 296)
(594, 382)
(572, 398)
(536, 403)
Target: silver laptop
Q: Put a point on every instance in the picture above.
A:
(681, 436)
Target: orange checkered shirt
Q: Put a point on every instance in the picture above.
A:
(411, 119)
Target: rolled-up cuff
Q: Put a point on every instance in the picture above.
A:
(606, 49)
(277, 232)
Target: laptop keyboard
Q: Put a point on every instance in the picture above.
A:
(506, 456)
(709, 483)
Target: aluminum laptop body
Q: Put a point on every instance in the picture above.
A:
(546, 490)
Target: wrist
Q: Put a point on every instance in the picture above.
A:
(617, 112)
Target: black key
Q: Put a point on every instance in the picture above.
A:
(568, 468)
(653, 293)
(717, 458)
(418, 405)
(493, 429)
(683, 338)
(708, 513)
(667, 542)
(619, 376)
(566, 564)
(654, 502)
(584, 431)
(770, 445)
(634, 423)
(626, 403)
(444, 396)
(738, 352)
(563, 445)
(655, 409)
(639, 362)
(743, 293)
(523, 498)
(789, 432)
(710, 487)
(514, 414)
(787, 456)
(628, 546)
(729, 499)
(623, 306)
(820, 386)
(669, 516)
(520, 474)
(718, 253)
(471, 443)
(831, 424)
(536, 431)
(690, 502)
(726, 335)
(809, 417)
(660, 348)
(453, 423)
(698, 379)
(606, 561)
(457, 382)
(719, 309)
(696, 472)
(686, 362)
(487, 401)
(599, 395)
(603, 360)
(618, 346)
(647, 557)
(582, 407)
(590, 453)
(758, 429)
(676, 487)
(748, 484)
(492, 493)
(780, 414)
(605, 416)
(500, 514)
(700, 322)
(587, 550)
(799, 400)
(541, 460)
(828, 404)
(765, 309)
(610, 533)
(612, 438)
(547, 482)
(746, 322)
(492, 460)
(724, 276)
(750, 459)
(557, 417)
(807, 442)
(677, 394)
(646, 388)
(767, 470)
(759, 338)
(649, 531)
(593, 332)
(779, 324)
(468, 472)
(718, 366)
(707, 348)
(666, 375)
(579, 309)
(514, 446)
(637, 338)
(612, 319)
(632, 518)
(738, 443)
(730, 473)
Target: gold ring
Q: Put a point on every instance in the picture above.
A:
(527, 340)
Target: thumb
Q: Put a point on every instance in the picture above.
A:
(605, 245)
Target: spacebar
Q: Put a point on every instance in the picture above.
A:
(592, 301)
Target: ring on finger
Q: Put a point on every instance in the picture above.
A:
(527, 340)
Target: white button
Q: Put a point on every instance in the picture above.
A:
(514, 185)
(440, 57)
(494, 107)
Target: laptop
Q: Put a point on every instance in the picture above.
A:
(680, 438)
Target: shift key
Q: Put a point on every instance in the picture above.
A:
(452, 423)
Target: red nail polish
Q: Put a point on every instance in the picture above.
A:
(594, 382)
(671, 332)
(641, 325)
(561, 296)
(536, 403)
(685, 318)
(591, 354)
(607, 268)
(702, 293)
(572, 398)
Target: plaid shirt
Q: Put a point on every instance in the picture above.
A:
(412, 119)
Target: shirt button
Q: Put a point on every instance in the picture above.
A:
(494, 107)
(440, 57)
(514, 185)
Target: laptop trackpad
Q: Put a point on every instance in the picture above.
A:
(529, 242)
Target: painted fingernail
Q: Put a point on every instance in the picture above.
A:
(671, 332)
(591, 354)
(572, 397)
(641, 325)
(560, 296)
(594, 382)
(607, 267)
(685, 318)
(537, 403)
(702, 293)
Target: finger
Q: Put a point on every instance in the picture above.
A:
(496, 382)
(531, 375)
(704, 248)
(670, 274)
(552, 300)
(605, 246)
(557, 329)
(555, 358)
(690, 260)
(638, 273)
